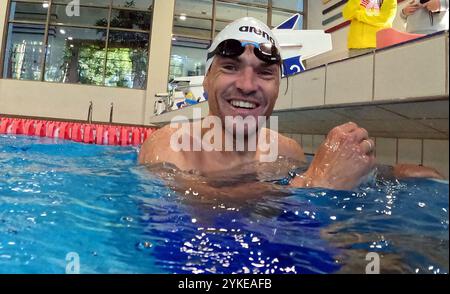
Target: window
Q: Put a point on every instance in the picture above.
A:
(279, 16)
(230, 11)
(24, 51)
(99, 3)
(188, 57)
(195, 20)
(89, 16)
(36, 12)
(106, 44)
(192, 29)
(137, 4)
(282, 9)
(126, 65)
(75, 55)
(295, 5)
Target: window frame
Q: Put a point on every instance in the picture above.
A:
(48, 23)
(213, 19)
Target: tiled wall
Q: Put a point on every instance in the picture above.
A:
(432, 153)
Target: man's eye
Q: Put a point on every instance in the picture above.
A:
(266, 72)
(229, 67)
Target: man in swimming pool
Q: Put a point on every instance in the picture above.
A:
(243, 80)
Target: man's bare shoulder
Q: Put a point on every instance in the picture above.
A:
(157, 147)
(288, 147)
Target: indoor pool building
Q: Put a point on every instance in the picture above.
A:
(84, 83)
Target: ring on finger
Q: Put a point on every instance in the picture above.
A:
(370, 145)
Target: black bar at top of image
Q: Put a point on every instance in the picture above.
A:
(334, 6)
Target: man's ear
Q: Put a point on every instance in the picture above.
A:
(205, 82)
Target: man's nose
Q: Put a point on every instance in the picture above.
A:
(247, 81)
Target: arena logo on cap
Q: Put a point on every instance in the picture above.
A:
(258, 32)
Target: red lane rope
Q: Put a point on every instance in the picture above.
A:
(78, 132)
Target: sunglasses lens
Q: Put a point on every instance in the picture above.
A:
(266, 49)
(267, 52)
(230, 48)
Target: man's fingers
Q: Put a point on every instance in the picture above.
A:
(367, 146)
(339, 131)
(348, 127)
(360, 134)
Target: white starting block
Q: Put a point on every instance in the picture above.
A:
(305, 43)
(299, 45)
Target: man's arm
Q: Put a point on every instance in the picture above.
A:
(387, 14)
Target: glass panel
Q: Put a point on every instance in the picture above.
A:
(188, 57)
(101, 3)
(89, 16)
(255, 2)
(129, 19)
(28, 11)
(279, 16)
(138, 4)
(78, 55)
(200, 28)
(228, 11)
(24, 51)
(220, 25)
(75, 55)
(202, 8)
(127, 59)
(296, 5)
(36, 1)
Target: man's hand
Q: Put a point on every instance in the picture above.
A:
(342, 161)
(411, 8)
(433, 5)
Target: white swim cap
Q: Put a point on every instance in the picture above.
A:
(244, 29)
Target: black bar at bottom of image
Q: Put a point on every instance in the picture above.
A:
(213, 283)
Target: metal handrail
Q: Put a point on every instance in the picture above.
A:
(91, 107)
(111, 112)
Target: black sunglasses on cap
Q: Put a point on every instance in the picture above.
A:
(266, 52)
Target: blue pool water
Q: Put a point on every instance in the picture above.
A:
(59, 197)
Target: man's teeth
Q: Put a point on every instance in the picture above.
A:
(243, 104)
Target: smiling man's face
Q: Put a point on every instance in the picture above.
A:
(242, 86)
